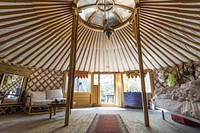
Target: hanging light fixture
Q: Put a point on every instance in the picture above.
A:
(108, 31)
(107, 6)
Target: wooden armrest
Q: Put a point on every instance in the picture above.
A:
(28, 96)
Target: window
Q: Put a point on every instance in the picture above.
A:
(134, 84)
(81, 84)
(96, 79)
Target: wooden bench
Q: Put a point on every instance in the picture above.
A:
(8, 108)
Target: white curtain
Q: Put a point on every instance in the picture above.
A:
(119, 90)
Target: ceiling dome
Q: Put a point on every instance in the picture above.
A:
(117, 12)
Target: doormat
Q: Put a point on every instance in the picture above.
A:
(107, 123)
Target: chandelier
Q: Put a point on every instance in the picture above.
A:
(105, 16)
(108, 31)
(106, 6)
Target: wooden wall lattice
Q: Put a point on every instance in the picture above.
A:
(172, 70)
(6, 88)
(42, 79)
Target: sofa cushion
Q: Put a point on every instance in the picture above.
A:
(37, 95)
(41, 102)
(52, 94)
(13, 99)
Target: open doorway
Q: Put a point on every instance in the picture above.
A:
(107, 91)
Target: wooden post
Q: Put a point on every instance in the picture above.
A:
(91, 89)
(115, 88)
(98, 94)
(122, 90)
(64, 83)
(24, 87)
(72, 66)
(137, 35)
(1, 84)
(151, 82)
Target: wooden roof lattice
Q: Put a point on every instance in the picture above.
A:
(37, 33)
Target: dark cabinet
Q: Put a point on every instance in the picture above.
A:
(133, 99)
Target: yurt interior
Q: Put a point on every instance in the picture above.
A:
(99, 66)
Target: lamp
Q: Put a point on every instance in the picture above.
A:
(108, 31)
(107, 6)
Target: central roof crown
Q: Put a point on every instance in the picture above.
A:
(94, 12)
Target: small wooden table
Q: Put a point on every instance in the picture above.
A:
(54, 106)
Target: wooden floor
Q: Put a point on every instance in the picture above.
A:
(80, 120)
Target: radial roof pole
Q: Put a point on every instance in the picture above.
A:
(139, 46)
(72, 64)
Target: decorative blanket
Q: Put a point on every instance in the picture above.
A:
(187, 92)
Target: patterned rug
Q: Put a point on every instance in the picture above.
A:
(107, 123)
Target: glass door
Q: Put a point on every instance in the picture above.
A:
(107, 91)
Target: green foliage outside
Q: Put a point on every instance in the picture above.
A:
(107, 87)
(133, 85)
(82, 85)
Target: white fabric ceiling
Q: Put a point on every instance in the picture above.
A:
(38, 34)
